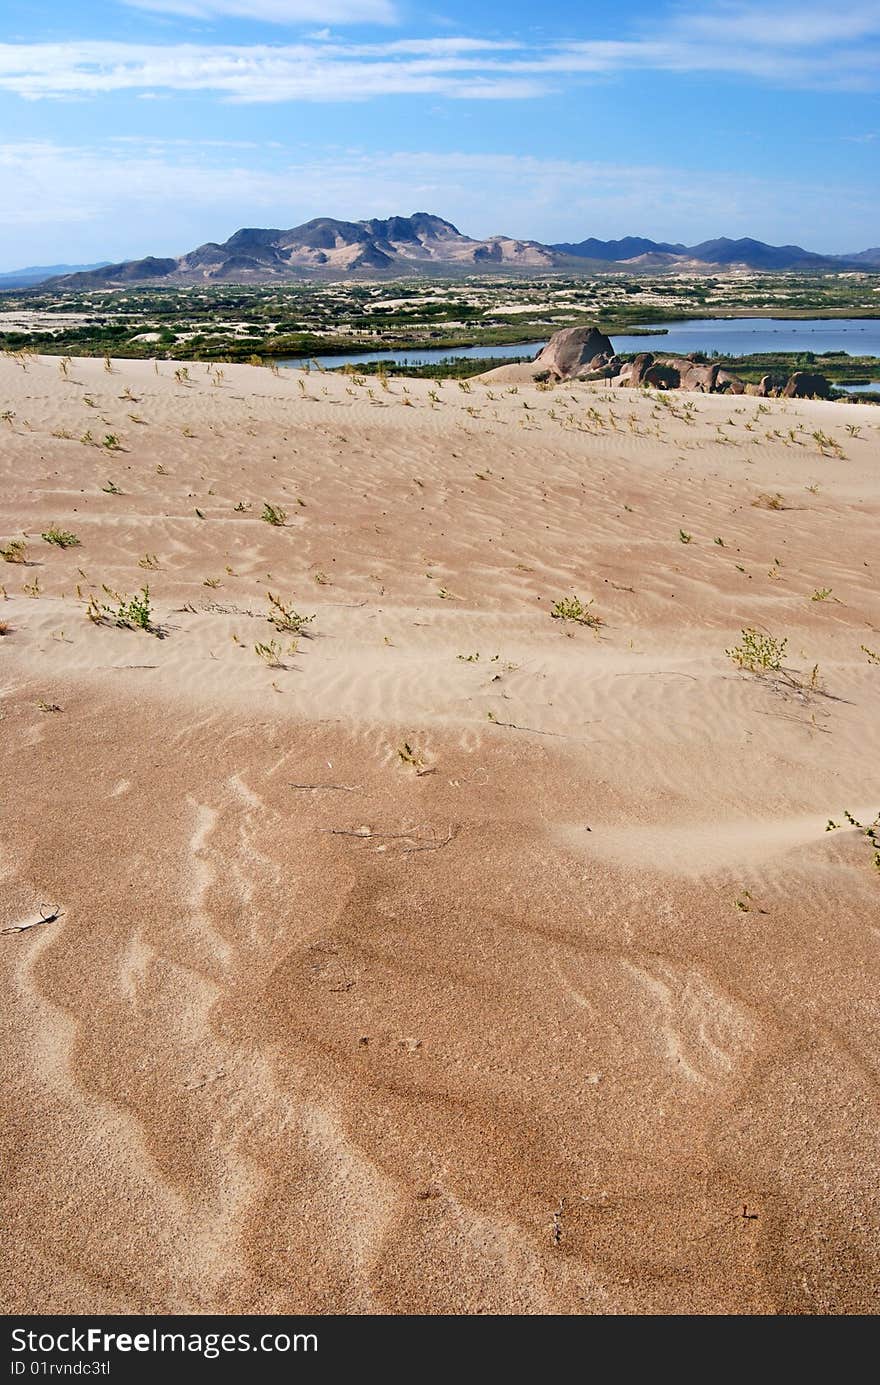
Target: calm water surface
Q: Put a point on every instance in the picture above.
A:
(742, 336)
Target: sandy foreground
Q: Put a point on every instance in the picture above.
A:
(398, 979)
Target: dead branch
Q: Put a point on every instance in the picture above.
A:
(54, 913)
(347, 788)
(432, 846)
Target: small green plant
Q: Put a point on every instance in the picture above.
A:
(826, 444)
(873, 656)
(757, 653)
(111, 443)
(111, 488)
(135, 611)
(285, 618)
(821, 594)
(131, 612)
(149, 561)
(685, 537)
(766, 501)
(273, 515)
(572, 608)
(853, 429)
(15, 551)
(871, 831)
(409, 756)
(62, 538)
(271, 653)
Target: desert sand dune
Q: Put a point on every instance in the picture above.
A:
(455, 958)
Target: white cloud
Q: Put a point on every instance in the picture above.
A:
(798, 25)
(807, 46)
(453, 68)
(277, 11)
(126, 198)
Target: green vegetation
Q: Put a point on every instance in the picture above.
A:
(285, 618)
(572, 608)
(757, 653)
(218, 323)
(130, 612)
(62, 538)
(410, 756)
(15, 551)
(271, 653)
(871, 830)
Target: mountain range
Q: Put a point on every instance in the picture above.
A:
(325, 248)
(38, 274)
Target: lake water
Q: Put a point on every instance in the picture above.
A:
(745, 336)
(742, 336)
(426, 356)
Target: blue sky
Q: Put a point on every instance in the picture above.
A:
(130, 127)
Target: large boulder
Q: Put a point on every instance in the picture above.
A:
(806, 384)
(763, 389)
(572, 350)
(662, 375)
(639, 368)
(696, 375)
(726, 383)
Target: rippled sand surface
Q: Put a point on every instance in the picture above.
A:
(469, 961)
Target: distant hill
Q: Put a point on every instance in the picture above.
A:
(627, 249)
(326, 248)
(37, 274)
(753, 254)
(758, 255)
(868, 259)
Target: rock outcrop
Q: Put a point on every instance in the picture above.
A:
(806, 384)
(574, 350)
(585, 354)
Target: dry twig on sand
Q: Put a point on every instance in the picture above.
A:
(346, 788)
(53, 914)
(415, 843)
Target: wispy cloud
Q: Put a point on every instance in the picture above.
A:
(277, 11)
(452, 68)
(804, 46)
(177, 194)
